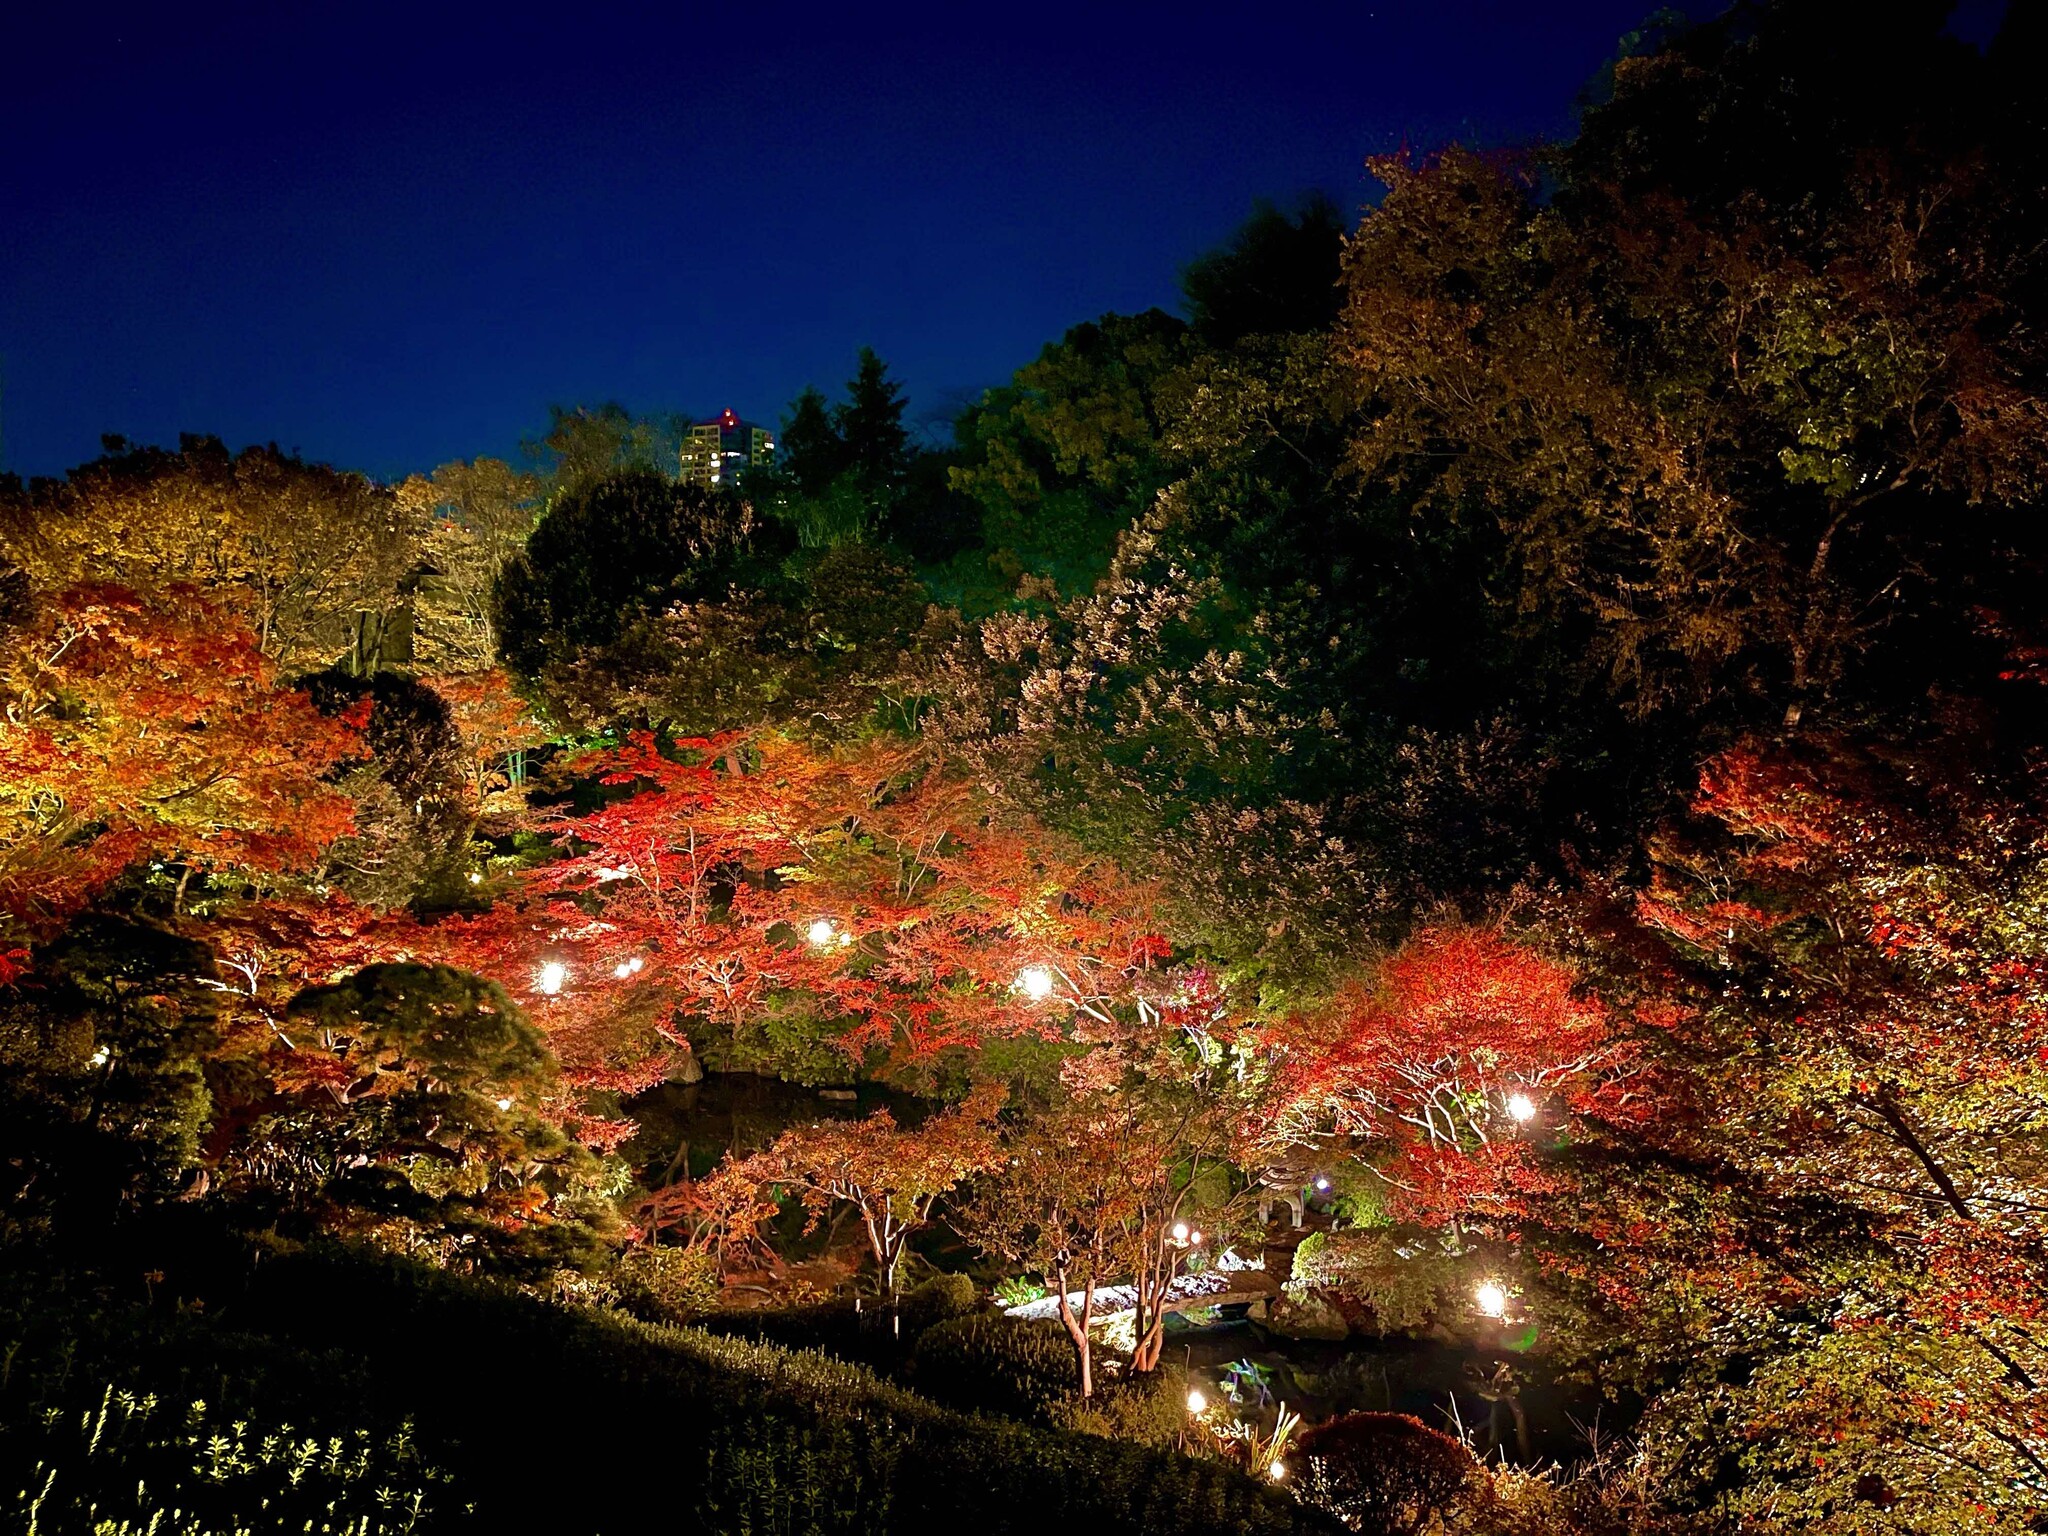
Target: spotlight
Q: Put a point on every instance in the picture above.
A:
(1035, 982)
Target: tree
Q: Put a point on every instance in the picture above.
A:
(103, 1097)
(870, 424)
(496, 727)
(1055, 1210)
(146, 728)
(625, 545)
(424, 1095)
(1070, 451)
(813, 452)
(585, 444)
(1110, 1183)
(808, 911)
(295, 550)
(890, 1175)
(1750, 395)
(408, 785)
(469, 520)
(1463, 1057)
(1279, 273)
(1842, 956)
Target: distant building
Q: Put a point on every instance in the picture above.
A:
(717, 450)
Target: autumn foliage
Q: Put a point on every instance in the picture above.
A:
(1425, 1064)
(151, 727)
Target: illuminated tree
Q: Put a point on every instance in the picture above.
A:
(862, 908)
(496, 725)
(151, 728)
(468, 520)
(295, 550)
(890, 1175)
(1463, 1057)
(1836, 1222)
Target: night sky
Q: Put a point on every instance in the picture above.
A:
(389, 236)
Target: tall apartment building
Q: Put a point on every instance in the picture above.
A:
(717, 450)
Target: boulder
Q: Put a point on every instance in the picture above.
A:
(1306, 1315)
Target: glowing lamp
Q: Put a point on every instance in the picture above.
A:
(102, 1056)
(1521, 1108)
(1321, 1182)
(1180, 1231)
(635, 965)
(552, 978)
(821, 932)
(1196, 1402)
(476, 877)
(504, 1104)
(1492, 1299)
(1276, 1471)
(1195, 1238)
(1035, 982)
(623, 969)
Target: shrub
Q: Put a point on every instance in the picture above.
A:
(1150, 1409)
(1023, 1370)
(938, 1300)
(664, 1285)
(1385, 1474)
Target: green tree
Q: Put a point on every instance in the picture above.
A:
(429, 1100)
(870, 424)
(610, 551)
(813, 452)
(1278, 274)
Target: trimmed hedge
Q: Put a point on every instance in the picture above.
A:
(993, 1364)
(997, 1365)
(875, 1336)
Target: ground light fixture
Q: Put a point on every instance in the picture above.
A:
(1035, 982)
(1492, 1298)
(1180, 1231)
(552, 978)
(1197, 1403)
(503, 1105)
(821, 932)
(1276, 1471)
(1521, 1108)
(1322, 1182)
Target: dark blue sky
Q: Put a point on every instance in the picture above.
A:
(391, 235)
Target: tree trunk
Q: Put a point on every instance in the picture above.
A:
(1078, 1330)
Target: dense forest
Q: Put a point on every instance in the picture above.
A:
(1477, 791)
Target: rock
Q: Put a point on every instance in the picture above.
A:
(839, 1095)
(686, 1069)
(1306, 1316)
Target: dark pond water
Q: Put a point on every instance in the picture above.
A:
(1444, 1385)
(698, 1123)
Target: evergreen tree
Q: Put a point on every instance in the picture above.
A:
(813, 452)
(871, 423)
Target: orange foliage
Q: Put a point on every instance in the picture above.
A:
(152, 727)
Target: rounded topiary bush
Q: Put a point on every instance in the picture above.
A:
(1024, 1370)
(938, 1300)
(1384, 1474)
